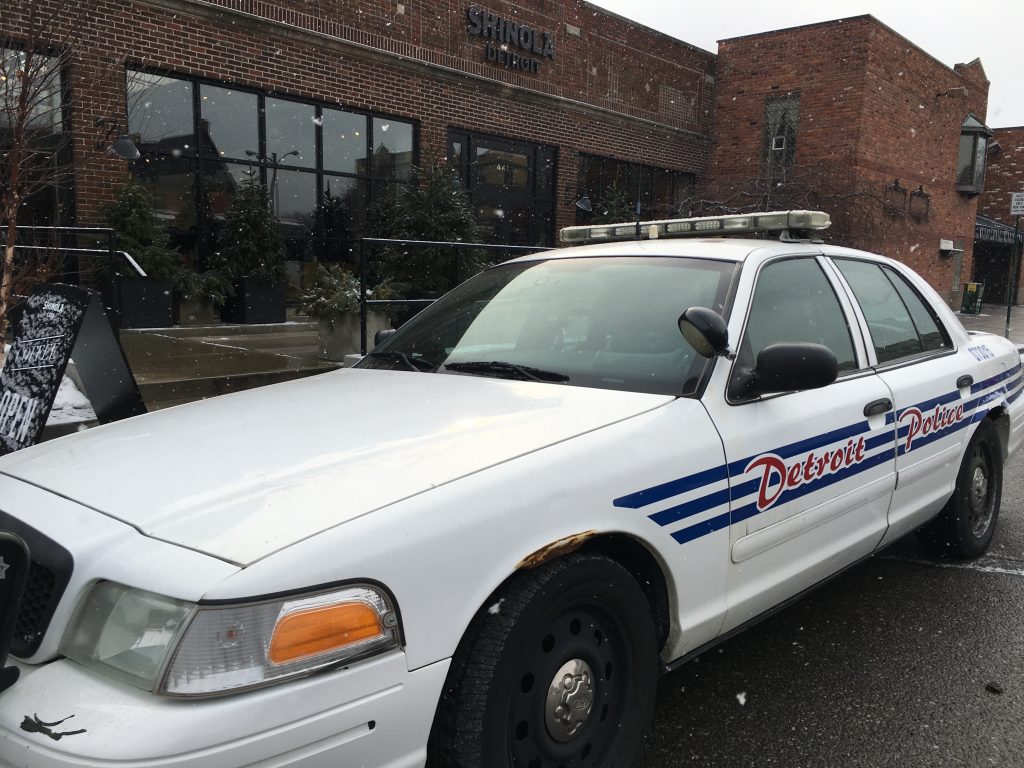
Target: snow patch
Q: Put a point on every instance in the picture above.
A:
(70, 405)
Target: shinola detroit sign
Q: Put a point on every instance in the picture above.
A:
(509, 43)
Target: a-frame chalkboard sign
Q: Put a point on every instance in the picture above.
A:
(58, 322)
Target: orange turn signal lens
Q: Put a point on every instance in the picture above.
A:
(308, 633)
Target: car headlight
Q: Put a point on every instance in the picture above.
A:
(183, 649)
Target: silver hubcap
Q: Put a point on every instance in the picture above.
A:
(570, 700)
(980, 512)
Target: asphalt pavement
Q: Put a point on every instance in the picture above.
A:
(903, 661)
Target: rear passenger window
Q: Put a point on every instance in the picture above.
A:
(901, 325)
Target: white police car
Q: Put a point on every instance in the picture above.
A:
(480, 546)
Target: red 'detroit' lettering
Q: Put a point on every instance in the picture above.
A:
(777, 476)
(919, 424)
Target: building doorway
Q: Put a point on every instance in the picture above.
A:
(511, 184)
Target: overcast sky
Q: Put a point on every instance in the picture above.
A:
(952, 32)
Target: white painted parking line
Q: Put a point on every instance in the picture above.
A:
(985, 565)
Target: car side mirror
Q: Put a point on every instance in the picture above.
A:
(705, 330)
(380, 335)
(788, 367)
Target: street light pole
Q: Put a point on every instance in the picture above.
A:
(1012, 276)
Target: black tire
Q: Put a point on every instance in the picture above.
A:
(496, 710)
(965, 526)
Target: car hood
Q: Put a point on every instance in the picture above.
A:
(244, 475)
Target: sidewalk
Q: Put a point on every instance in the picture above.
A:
(180, 364)
(992, 319)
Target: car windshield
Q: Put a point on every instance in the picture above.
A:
(594, 322)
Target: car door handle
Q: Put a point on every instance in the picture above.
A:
(964, 381)
(876, 407)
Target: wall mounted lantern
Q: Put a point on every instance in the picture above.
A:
(920, 204)
(894, 200)
(122, 146)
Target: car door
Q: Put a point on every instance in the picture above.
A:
(932, 387)
(811, 472)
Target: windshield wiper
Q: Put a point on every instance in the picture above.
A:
(412, 363)
(509, 370)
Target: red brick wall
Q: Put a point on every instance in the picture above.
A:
(869, 114)
(1004, 174)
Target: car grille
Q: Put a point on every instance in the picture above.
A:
(48, 576)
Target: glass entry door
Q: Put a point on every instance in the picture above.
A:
(511, 184)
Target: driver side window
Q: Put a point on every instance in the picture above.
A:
(794, 302)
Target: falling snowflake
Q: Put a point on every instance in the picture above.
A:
(495, 609)
(741, 697)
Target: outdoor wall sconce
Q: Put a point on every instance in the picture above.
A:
(894, 200)
(122, 147)
(585, 205)
(920, 204)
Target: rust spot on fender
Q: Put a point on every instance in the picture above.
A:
(555, 549)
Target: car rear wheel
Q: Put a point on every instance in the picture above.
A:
(559, 671)
(965, 526)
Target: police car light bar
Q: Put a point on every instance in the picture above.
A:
(744, 223)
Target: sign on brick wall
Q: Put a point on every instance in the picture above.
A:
(1017, 204)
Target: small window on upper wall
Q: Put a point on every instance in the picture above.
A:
(970, 165)
(900, 323)
(778, 139)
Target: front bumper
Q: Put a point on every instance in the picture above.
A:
(375, 713)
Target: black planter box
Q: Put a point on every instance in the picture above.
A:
(142, 303)
(255, 302)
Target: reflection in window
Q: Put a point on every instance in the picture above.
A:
(612, 187)
(392, 149)
(291, 133)
(342, 216)
(160, 115)
(221, 182)
(794, 302)
(293, 197)
(502, 169)
(778, 139)
(896, 330)
(345, 140)
(171, 180)
(229, 124)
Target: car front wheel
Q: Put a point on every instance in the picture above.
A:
(560, 670)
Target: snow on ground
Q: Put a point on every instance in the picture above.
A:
(70, 406)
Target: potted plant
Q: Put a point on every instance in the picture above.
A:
(251, 257)
(333, 300)
(141, 302)
(201, 296)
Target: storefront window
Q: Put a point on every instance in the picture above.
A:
(345, 141)
(392, 149)
(228, 122)
(613, 187)
(291, 133)
(322, 209)
(160, 113)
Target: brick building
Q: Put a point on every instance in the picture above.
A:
(994, 233)
(851, 116)
(536, 103)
